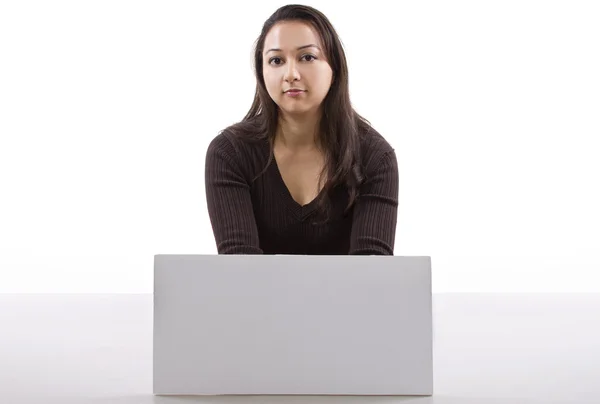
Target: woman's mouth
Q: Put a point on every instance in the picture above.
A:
(294, 93)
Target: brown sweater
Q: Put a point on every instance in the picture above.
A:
(261, 217)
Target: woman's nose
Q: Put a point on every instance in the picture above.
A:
(291, 72)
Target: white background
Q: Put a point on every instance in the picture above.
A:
(106, 110)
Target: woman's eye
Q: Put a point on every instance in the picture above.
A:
(277, 58)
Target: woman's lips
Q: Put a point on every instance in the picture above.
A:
(293, 93)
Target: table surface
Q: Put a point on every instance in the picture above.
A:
(487, 348)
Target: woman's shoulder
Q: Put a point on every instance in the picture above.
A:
(240, 146)
(237, 138)
(374, 147)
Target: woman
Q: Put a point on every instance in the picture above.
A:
(302, 173)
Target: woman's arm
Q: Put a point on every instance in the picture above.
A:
(228, 200)
(376, 210)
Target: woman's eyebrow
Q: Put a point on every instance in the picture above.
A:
(298, 48)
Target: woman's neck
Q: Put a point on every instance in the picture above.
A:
(298, 133)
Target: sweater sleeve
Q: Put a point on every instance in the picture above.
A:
(376, 210)
(228, 200)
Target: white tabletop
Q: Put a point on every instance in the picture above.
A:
(487, 348)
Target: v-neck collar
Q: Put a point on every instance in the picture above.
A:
(300, 211)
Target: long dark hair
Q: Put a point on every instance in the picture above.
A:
(340, 127)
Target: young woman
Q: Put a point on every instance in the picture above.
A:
(302, 173)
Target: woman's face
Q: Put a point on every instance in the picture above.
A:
(289, 67)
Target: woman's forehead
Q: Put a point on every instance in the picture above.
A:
(291, 37)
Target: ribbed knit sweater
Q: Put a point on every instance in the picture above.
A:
(261, 217)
